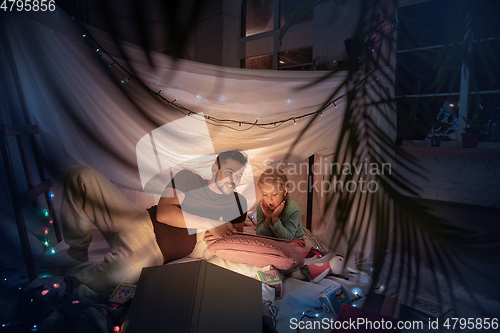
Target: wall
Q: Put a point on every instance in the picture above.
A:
(206, 39)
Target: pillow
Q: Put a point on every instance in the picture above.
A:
(258, 252)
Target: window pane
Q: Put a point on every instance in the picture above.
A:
(260, 16)
(415, 115)
(488, 107)
(297, 68)
(295, 58)
(485, 65)
(423, 24)
(488, 24)
(288, 7)
(260, 62)
(417, 73)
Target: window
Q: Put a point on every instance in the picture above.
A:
(261, 24)
(259, 16)
(297, 60)
(423, 33)
(259, 62)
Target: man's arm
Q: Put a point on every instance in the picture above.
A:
(170, 212)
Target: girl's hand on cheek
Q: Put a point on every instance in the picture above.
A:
(277, 211)
(267, 212)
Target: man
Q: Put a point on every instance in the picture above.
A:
(139, 238)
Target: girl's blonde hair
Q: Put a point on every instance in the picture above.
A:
(278, 177)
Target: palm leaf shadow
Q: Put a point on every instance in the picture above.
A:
(416, 233)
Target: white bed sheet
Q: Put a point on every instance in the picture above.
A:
(299, 297)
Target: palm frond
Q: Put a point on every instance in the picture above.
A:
(390, 214)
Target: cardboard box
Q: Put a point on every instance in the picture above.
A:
(195, 297)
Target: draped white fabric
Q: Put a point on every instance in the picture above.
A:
(75, 95)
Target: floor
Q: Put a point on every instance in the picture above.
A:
(480, 268)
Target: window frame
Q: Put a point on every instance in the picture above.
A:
(300, 30)
(463, 92)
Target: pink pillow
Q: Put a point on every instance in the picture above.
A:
(258, 252)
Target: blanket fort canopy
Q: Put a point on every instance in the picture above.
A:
(94, 112)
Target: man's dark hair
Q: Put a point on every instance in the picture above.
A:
(234, 154)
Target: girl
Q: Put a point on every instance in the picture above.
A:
(277, 214)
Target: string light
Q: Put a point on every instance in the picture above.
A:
(51, 195)
(213, 119)
(52, 251)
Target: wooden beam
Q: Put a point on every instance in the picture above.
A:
(18, 129)
(33, 193)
